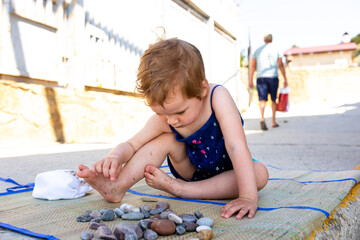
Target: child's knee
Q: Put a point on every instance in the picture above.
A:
(262, 175)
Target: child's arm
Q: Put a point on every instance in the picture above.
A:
(236, 146)
(111, 165)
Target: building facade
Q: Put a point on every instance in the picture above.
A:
(338, 55)
(74, 58)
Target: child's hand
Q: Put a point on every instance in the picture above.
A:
(108, 166)
(242, 205)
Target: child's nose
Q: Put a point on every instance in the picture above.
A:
(172, 120)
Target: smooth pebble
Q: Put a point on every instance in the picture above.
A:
(146, 214)
(126, 207)
(206, 234)
(133, 216)
(163, 205)
(188, 217)
(119, 212)
(145, 207)
(198, 214)
(163, 227)
(175, 218)
(86, 235)
(104, 232)
(95, 225)
(149, 199)
(95, 214)
(150, 235)
(199, 228)
(191, 226)
(96, 220)
(205, 221)
(180, 230)
(84, 218)
(109, 215)
(143, 224)
(156, 211)
(131, 236)
(127, 228)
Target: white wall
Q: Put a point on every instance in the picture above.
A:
(99, 43)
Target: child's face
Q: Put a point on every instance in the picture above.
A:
(179, 111)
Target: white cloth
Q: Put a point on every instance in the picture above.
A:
(59, 184)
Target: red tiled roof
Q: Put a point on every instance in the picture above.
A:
(329, 48)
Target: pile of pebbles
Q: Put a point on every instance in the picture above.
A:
(152, 223)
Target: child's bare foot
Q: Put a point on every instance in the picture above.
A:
(108, 189)
(158, 179)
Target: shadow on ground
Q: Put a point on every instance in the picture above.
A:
(317, 141)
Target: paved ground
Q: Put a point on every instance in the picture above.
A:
(316, 135)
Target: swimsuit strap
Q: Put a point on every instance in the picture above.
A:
(212, 91)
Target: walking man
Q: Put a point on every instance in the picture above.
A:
(266, 61)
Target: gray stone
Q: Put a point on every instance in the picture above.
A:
(199, 228)
(104, 232)
(143, 224)
(149, 199)
(156, 211)
(95, 214)
(133, 216)
(127, 208)
(180, 230)
(109, 215)
(198, 214)
(163, 205)
(96, 220)
(87, 213)
(84, 218)
(103, 210)
(205, 221)
(86, 235)
(165, 215)
(146, 214)
(127, 228)
(188, 217)
(191, 226)
(119, 212)
(131, 236)
(95, 225)
(175, 218)
(145, 207)
(150, 235)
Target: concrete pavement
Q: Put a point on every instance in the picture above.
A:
(315, 135)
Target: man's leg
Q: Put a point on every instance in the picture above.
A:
(221, 186)
(262, 110)
(154, 153)
(273, 86)
(262, 90)
(273, 107)
(262, 113)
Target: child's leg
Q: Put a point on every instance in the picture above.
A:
(154, 153)
(221, 186)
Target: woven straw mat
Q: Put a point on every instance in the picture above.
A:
(291, 206)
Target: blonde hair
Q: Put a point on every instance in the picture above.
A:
(166, 65)
(268, 38)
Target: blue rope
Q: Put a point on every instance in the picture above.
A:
(17, 189)
(27, 232)
(324, 181)
(223, 204)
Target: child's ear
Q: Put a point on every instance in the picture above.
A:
(205, 89)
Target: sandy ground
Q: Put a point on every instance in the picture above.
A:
(315, 135)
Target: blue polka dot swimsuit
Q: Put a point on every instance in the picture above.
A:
(206, 149)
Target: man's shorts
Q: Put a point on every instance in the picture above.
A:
(267, 85)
